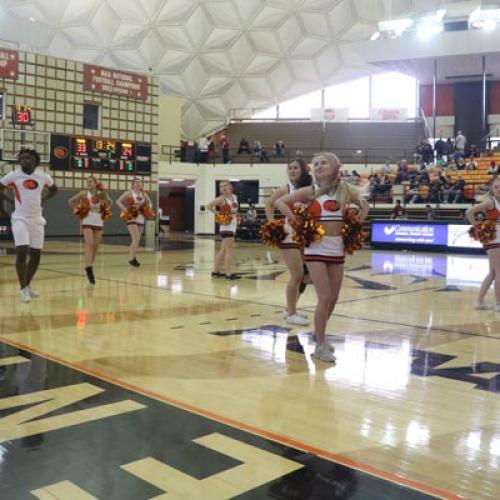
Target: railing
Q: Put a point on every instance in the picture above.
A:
(268, 154)
(486, 140)
(424, 120)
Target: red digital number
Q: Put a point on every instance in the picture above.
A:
(23, 117)
(81, 148)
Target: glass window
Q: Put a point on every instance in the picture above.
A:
(266, 113)
(91, 116)
(394, 90)
(354, 95)
(300, 107)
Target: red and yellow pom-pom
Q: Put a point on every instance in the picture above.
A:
(82, 209)
(100, 186)
(483, 231)
(223, 218)
(306, 229)
(352, 233)
(105, 211)
(272, 233)
(131, 213)
(147, 212)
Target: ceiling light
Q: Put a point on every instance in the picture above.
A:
(485, 19)
(178, 180)
(430, 25)
(375, 36)
(397, 26)
(32, 19)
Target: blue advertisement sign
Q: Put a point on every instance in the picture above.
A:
(410, 233)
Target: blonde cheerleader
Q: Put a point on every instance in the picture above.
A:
(93, 207)
(328, 198)
(225, 207)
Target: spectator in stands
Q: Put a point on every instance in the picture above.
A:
(224, 145)
(387, 169)
(456, 190)
(256, 148)
(471, 164)
(412, 195)
(493, 170)
(460, 142)
(398, 212)
(440, 148)
(203, 148)
(263, 156)
(279, 149)
(427, 152)
(191, 152)
(449, 150)
(373, 185)
(183, 151)
(211, 150)
(355, 178)
(430, 212)
(244, 147)
(474, 151)
(460, 164)
(401, 177)
(250, 216)
(385, 186)
(424, 177)
(435, 191)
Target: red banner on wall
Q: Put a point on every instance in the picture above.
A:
(9, 64)
(111, 81)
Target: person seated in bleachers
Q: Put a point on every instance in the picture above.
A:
(385, 186)
(401, 177)
(355, 178)
(435, 191)
(398, 212)
(471, 164)
(256, 148)
(493, 170)
(430, 213)
(424, 177)
(387, 169)
(456, 191)
(373, 184)
(279, 149)
(460, 164)
(244, 147)
(412, 192)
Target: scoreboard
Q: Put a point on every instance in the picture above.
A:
(91, 154)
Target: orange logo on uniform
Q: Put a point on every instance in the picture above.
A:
(225, 209)
(493, 214)
(60, 152)
(330, 205)
(30, 184)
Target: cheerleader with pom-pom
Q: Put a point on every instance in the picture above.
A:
(292, 252)
(225, 208)
(93, 208)
(488, 232)
(324, 256)
(135, 205)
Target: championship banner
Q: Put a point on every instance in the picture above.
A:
(389, 114)
(330, 114)
(9, 64)
(111, 81)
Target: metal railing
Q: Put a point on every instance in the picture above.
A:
(268, 154)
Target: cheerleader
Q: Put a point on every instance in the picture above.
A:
(328, 198)
(227, 203)
(298, 177)
(92, 206)
(490, 205)
(137, 198)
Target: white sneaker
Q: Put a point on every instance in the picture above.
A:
(322, 352)
(24, 294)
(33, 293)
(330, 346)
(295, 319)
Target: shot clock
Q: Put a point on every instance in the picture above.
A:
(21, 115)
(99, 155)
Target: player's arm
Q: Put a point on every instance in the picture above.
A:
(49, 193)
(218, 202)
(122, 200)
(4, 183)
(74, 200)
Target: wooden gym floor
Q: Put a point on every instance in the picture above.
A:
(160, 382)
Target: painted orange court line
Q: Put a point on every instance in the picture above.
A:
(369, 469)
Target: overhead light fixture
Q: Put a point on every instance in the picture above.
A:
(430, 25)
(234, 180)
(32, 19)
(375, 36)
(487, 19)
(178, 180)
(395, 26)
